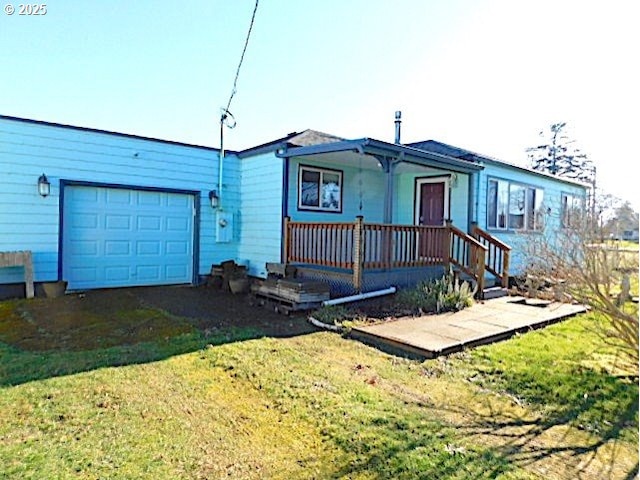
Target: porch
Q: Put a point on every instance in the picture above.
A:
(367, 256)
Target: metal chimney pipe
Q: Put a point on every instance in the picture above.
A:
(398, 122)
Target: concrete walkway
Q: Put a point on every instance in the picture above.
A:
(429, 336)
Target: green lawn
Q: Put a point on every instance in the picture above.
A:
(235, 405)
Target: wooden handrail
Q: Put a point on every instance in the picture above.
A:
(467, 237)
(468, 254)
(490, 238)
(498, 255)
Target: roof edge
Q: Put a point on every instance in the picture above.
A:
(109, 132)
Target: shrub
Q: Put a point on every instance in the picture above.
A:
(441, 295)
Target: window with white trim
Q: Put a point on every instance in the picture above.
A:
(513, 206)
(319, 189)
(571, 210)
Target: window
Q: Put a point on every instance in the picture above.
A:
(512, 206)
(571, 210)
(319, 189)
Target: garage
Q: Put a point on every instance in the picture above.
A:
(123, 237)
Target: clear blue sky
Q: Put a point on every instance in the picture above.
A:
(486, 75)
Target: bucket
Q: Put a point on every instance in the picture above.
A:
(54, 289)
(239, 285)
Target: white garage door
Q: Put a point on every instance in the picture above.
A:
(115, 237)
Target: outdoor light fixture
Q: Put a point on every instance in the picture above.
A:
(44, 187)
(454, 180)
(214, 199)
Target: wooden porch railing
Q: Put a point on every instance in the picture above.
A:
(318, 243)
(398, 246)
(468, 254)
(498, 254)
(360, 246)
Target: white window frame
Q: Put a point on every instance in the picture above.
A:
(321, 171)
(538, 218)
(446, 179)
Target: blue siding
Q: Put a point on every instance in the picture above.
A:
(553, 189)
(30, 222)
(356, 182)
(261, 183)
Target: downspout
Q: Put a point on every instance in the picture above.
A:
(478, 175)
(471, 203)
(285, 205)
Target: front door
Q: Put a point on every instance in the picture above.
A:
(431, 205)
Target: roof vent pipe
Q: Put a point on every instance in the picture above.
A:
(398, 122)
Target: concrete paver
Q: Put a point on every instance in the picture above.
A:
(431, 335)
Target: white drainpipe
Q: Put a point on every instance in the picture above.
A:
(360, 296)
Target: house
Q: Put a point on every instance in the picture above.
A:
(125, 210)
(630, 235)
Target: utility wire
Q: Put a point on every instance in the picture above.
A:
(224, 116)
(226, 111)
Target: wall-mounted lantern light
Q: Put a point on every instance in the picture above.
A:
(44, 187)
(454, 180)
(214, 199)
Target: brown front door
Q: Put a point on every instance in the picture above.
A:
(431, 213)
(431, 204)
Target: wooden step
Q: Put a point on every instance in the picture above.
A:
(494, 292)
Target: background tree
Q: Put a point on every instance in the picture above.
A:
(624, 218)
(557, 154)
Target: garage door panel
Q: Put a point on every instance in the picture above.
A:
(153, 199)
(84, 274)
(148, 248)
(148, 273)
(117, 247)
(117, 222)
(177, 248)
(176, 201)
(87, 248)
(82, 196)
(176, 271)
(150, 223)
(118, 237)
(117, 273)
(118, 196)
(85, 220)
(175, 224)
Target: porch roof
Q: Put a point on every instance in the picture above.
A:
(378, 148)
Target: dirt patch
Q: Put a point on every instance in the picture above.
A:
(212, 308)
(105, 318)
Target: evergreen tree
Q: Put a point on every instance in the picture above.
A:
(556, 154)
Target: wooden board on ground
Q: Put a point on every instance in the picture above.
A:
(292, 294)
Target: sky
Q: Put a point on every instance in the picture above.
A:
(485, 75)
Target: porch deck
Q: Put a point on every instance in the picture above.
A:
(364, 254)
(430, 336)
